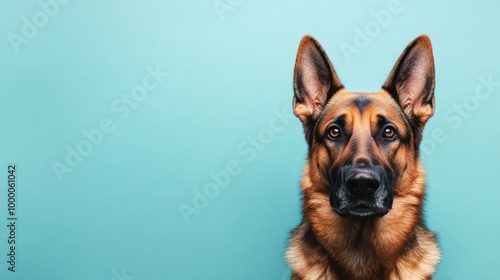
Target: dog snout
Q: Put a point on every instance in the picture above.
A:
(362, 183)
(362, 162)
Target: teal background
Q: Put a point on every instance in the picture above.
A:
(116, 215)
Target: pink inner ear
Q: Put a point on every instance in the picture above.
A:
(318, 103)
(412, 89)
(407, 102)
(312, 83)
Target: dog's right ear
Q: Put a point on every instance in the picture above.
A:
(314, 82)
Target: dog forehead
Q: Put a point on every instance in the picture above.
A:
(355, 105)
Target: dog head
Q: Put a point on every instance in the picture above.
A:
(362, 144)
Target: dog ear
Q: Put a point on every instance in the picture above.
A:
(314, 81)
(411, 81)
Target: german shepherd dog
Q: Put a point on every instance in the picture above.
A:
(363, 183)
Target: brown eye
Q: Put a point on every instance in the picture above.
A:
(389, 132)
(334, 132)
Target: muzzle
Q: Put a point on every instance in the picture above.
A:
(361, 191)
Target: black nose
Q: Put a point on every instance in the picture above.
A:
(362, 184)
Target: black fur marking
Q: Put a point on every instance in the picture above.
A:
(340, 121)
(299, 87)
(362, 102)
(428, 90)
(410, 244)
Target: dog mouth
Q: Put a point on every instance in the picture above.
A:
(362, 211)
(363, 208)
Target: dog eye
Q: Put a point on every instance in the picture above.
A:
(334, 132)
(389, 132)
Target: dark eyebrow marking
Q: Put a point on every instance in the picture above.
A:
(405, 139)
(340, 121)
(362, 102)
(381, 121)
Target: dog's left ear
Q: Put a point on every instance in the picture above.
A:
(411, 81)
